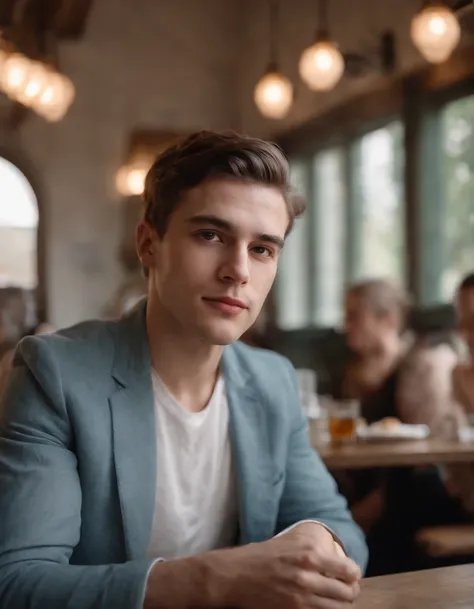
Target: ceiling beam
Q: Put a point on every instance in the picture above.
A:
(66, 18)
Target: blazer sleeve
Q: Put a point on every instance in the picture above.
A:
(40, 500)
(310, 492)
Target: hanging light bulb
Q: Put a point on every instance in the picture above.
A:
(16, 70)
(35, 85)
(130, 180)
(435, 32)
(56, 112)
(55, 99)
(273, 94)
(321, 66)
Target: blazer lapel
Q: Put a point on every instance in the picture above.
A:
(134, 437)
(251, 449)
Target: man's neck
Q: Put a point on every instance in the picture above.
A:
(188, 366)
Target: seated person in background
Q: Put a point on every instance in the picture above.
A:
(448, 407)
(395, 377)
(135, 452)
(374, 326)
(392, 374)
(374, 323)
(463, 374)
(459, 479)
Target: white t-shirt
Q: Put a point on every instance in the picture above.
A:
(196, 507)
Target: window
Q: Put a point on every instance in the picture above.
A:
(353, 228)
(328, 231)
(292, 285)
(18, 225)
(378, 219)
(458, 173)
(358, 212)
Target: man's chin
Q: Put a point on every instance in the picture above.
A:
(222, 334)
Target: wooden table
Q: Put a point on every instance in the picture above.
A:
(395, 454)
(449, 588)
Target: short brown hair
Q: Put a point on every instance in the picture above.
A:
(206, 155)
(383, 297)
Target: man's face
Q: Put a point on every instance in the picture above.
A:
(366, 331)
(216, 263)
(465, 314)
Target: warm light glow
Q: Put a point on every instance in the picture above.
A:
(36, 83)
(16, 70)
(3, 58)
(52, 95)
(435, 31)
(273, 95)
(56, 98)
(131, 180)
(321, 66)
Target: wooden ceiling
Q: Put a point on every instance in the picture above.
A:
(66, 18)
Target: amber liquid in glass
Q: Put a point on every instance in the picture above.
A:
(342, 429)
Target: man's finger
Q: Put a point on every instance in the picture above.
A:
(339, 550)
(339, 567)
(328, 587)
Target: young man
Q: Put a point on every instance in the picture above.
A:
(153, 462)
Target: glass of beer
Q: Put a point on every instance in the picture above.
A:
(343, 417)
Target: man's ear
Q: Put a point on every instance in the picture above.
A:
(145, 237)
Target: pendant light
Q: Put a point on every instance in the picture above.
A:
(322, 64)
(273, 93)
(435, 31)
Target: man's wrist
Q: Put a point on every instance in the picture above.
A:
(218, 581)
(328, 529)
(187, 582)
(170, 585)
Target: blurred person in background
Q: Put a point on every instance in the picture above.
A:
(463, 374)
(396, 376)
(459, 479)
(375, 313)
(374, 327)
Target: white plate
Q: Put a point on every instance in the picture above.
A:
(466, 434)
(403, 432)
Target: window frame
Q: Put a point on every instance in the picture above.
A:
(417, 100)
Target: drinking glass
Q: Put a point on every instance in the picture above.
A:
(343, 415)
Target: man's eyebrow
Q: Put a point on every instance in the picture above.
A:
(228, 226)
(275, 239)
(213, 220)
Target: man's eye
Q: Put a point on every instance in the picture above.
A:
(208, 235)
(261, 250)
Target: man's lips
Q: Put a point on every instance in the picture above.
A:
(227, 304)
(233, 302)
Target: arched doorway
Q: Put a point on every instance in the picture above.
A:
(18, 251)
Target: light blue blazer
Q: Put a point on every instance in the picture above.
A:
(78, 464)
